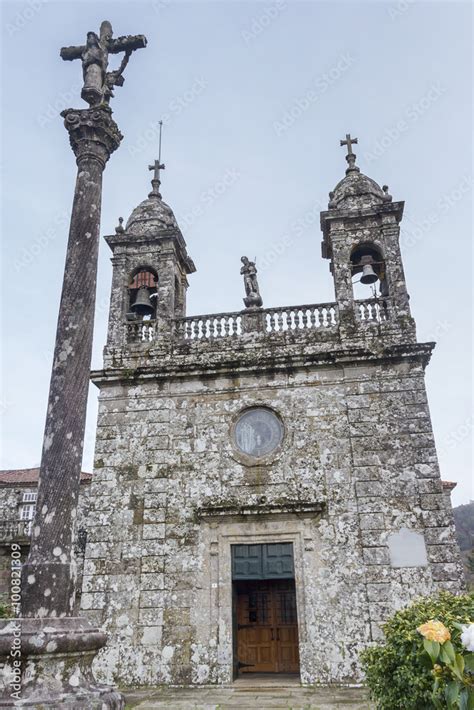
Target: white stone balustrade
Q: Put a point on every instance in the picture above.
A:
(273, 320)
(218, 325)
(142, 331)
(372, 310)
(294, 318)
(287, 319)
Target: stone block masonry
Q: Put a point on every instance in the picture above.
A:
(165, 619)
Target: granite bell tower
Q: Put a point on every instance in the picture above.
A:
(264, 475)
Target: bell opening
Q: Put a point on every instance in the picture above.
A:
(142, 295)
(368, 264)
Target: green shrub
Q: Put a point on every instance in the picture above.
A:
(399, 672)
(4, 611)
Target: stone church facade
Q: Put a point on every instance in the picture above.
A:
(266, 488)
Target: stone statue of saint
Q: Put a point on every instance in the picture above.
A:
(249, 272)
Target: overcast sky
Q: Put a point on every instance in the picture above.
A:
(255, 97)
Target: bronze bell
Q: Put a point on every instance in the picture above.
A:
(368, 274)
(142, 304)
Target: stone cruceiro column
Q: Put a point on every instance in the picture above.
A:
(46, 653)
(48, 575)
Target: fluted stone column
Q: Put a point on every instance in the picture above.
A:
(56, 648)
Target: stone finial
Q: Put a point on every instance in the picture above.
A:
(119, 228)
(98, 82)
(249, 272)
(331, 203)
(350, 157)
(387, 197)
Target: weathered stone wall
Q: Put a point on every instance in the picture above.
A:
(157, 572)
(397, 485)
(11, 500)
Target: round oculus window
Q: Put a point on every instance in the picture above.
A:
(258, 432)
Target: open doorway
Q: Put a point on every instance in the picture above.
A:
(265, 613)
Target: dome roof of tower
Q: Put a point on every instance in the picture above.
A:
(151, 216)
(356, 191)
(153, 220)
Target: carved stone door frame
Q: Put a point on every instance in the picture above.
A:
(222, 535)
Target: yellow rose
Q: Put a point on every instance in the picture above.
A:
(434, 631)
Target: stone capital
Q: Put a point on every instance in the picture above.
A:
(93, 134)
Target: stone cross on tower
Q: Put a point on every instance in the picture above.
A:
(156, 167)
(350, 157)
(98, 82)
(349, 142)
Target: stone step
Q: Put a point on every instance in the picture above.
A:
(285, 697)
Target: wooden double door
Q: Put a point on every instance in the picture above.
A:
(266, 626)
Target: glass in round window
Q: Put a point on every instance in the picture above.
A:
(258, 432)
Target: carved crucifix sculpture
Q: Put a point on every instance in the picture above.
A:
(98, 82)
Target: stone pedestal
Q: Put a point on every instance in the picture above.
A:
(253, 320)
(46, 663)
